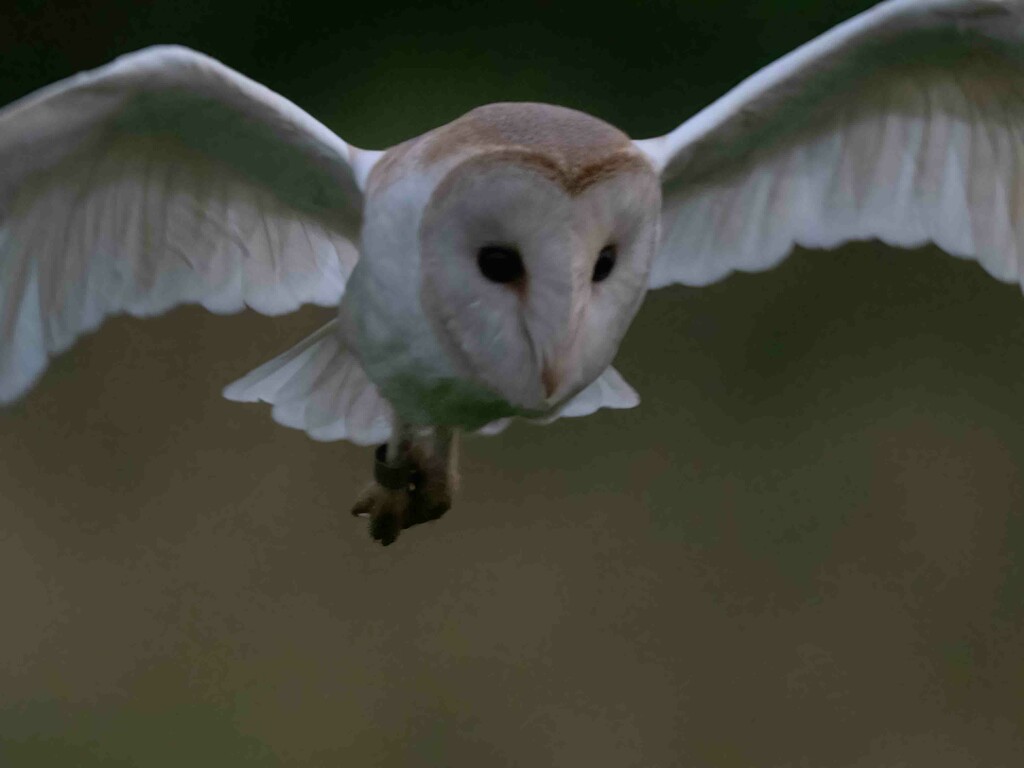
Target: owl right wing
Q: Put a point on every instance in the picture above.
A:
(160, 179)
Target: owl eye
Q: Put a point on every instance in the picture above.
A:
(605, 263)
(500, 264)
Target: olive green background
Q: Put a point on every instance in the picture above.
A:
(802, 549)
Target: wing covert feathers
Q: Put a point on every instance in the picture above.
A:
(319, 386)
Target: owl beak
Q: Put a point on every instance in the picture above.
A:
(550, 377)
(557, 361)
(555, 370)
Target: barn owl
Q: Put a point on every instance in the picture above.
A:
(488, 269)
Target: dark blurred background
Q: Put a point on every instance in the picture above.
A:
(804, 548)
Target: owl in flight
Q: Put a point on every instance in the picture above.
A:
(489, 268)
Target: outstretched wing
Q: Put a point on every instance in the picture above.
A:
(905, 124)
(161, 179)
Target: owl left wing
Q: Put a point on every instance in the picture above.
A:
(905, 124)
(161, 179)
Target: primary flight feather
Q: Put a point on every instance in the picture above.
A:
(489, 269)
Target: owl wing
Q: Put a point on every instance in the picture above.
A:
(320, 387)
(905, 124)
(609, 390)
(160, 179)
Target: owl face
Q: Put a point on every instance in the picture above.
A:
(531, 273)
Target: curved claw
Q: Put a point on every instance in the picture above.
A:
(385, 527)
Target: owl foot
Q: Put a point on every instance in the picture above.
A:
(413, 487)
(431, 489)
(386, 509)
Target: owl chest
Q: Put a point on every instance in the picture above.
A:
(383, 320)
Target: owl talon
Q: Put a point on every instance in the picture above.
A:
(413, 486)
(364, 505)
(385, 527)
(387, 510)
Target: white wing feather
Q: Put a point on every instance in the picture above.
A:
(609, 390)
(160, 179)
(905, 124)
(318, 386)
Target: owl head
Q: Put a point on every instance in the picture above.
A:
(535, 242)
